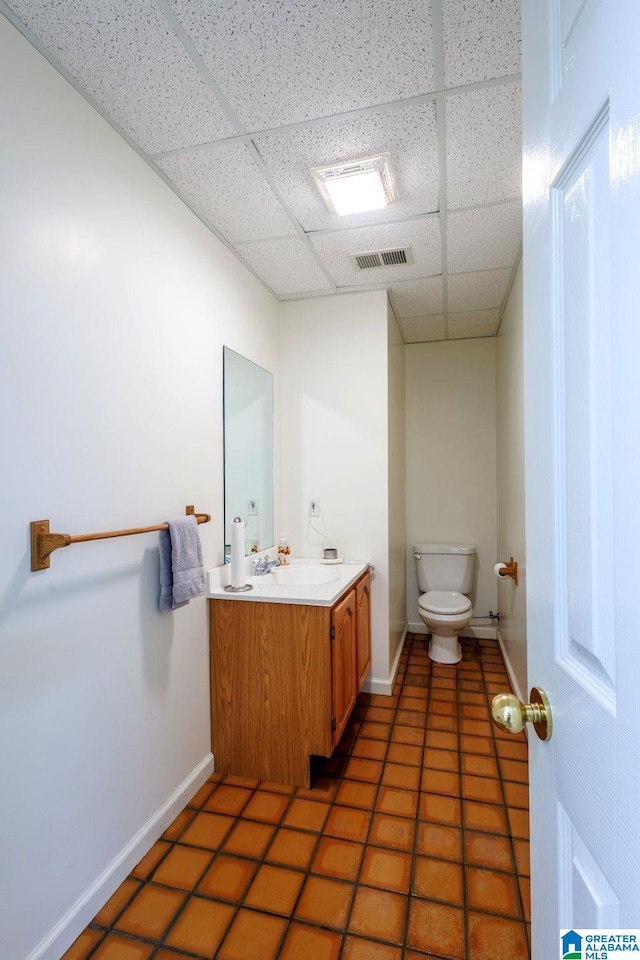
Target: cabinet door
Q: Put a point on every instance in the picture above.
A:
(343, 662)
(363, 629)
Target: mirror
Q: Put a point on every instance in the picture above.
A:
(248, 451)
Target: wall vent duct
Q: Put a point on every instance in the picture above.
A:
(382, 258)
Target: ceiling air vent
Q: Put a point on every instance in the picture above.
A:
(391, 258)
(382, 258)
(365, 261)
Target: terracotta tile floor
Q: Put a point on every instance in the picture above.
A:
(412, 845)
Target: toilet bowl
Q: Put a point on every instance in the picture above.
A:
(446, 614)
(445, 575)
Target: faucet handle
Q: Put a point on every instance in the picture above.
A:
(263, 565)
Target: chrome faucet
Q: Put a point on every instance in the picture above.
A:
(264, 566)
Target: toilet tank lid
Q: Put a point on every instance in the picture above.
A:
(431, 547)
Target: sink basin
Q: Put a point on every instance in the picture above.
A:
(302, 576)
(305, 581)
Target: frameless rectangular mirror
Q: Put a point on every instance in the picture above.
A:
(248, 451)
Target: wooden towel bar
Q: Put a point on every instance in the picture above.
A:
(43, 543)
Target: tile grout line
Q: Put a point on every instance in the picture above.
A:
(416, 823)
(510, 834)
(520, 917)
(414, 851)
(368, 844)
(485, 669)
(356, 885)
(160, 943)
(241, 904)
(262, 861)
(465, 898)
(148, 880)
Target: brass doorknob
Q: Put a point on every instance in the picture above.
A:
(511, 715)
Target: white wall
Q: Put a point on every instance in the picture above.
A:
(451, 458)
(116, 303)
(510, 484)
(334, 438)
(397, 498)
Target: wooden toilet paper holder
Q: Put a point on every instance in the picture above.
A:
(510, 570)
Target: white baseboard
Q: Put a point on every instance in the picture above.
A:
(477, 633)
(381, 685)
(480, 633)
(71, 925)
(515, 686)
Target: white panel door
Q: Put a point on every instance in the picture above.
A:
(581, 79)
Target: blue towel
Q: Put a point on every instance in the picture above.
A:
(181, 568)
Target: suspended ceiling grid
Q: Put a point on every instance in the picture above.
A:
(233, 101)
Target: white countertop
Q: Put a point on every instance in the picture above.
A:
(267, 590)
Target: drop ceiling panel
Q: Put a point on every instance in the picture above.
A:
(408, 135)
(417, 298)
(422, 235)
(477, 291)
(479, 323)
(481, 40)
(484, 238)
(484, 146)
(171, 73)
(311, 294)
(128, 59)
(285, 264)
(226, 186)
(422, 329)
(281, 61)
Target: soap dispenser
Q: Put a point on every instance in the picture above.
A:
(283, 549)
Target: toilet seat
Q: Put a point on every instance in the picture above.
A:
(444, 602)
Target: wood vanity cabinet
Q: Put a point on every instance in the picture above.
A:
(284, 679)
(363, 628)
(344, 687)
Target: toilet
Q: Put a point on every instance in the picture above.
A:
(445, 576)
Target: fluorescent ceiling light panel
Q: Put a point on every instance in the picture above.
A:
(357, 186)
(356, 193)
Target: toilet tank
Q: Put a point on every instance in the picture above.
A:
(445, 566)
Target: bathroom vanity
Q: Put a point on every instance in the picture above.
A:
(287, 662)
